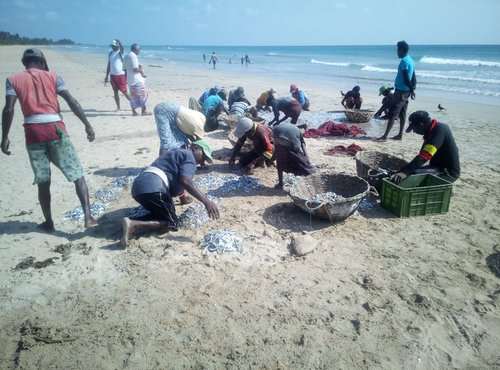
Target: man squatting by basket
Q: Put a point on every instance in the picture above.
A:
(439, 149)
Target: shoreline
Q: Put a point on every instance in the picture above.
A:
(334, 82)
(378, 291)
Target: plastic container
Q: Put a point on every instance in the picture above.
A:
(417, 195)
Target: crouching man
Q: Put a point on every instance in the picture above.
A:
(439, 149)
(168, 176)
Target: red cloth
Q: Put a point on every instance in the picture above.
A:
(330, 128)
(342, 149)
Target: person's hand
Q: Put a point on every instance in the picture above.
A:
(412, 95)
(90, 133)
(106, 80)
(398, 177)
(212, 210)
(5, 146)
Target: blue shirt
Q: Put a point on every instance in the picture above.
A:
(175, 163)
(405, 64)
(210, 103)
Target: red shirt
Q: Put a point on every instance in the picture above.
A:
(37, 94)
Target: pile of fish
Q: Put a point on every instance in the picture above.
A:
(220, 185)
(96, 209)
(329, 197)
(104, 196)
(195, 216)
(222, 241)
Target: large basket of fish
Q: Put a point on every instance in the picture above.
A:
(359, 115)
(374, 166)
(331, 197)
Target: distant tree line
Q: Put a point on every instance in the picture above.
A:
(6, 38)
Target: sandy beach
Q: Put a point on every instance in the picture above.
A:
(379, 292)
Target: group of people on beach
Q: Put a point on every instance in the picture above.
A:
(181, 131)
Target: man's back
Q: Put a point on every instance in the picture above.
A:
(446, 156)
(36, 91)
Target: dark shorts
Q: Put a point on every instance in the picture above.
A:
(60, 152)
(119, 83)
(161, 207)
(400, 106)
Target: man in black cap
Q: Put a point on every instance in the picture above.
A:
(439, 149)
(47, 140)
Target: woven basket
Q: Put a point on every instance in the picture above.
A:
(359, 115)
(248, 146)
(352, 190)
(374, 166)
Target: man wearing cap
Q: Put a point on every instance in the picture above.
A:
(136, 81)
(387, 101)
(300, 96)
(47, 139)
(405, 85)
(115, 70)
(262, 153)
(439, 149)
(168, 176)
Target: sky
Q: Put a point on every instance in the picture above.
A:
(256, 22)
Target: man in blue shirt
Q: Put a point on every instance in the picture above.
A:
(405, 85)
(168, 176)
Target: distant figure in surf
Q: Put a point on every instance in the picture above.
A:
(213, 59)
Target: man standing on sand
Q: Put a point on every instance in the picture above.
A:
(136, 81)
(213, 59)
(46, 137)
(405, 85)
(115, 69)
(168, 176)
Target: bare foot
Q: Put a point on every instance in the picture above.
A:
(90, 222)
(117, 110)
(146, 113)
(127, 231)
(397, 137)
(47, 226)
(381, 139)
(134, 113)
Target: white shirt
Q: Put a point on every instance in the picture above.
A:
(115, 63)
(130, 62)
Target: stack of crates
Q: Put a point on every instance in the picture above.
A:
(417, 195)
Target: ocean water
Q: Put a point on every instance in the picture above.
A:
(465, 72)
